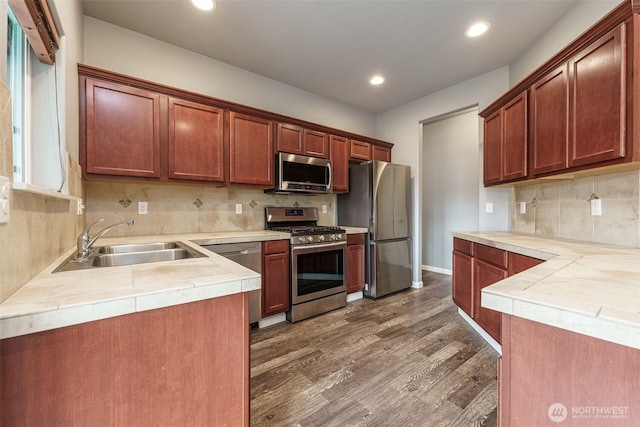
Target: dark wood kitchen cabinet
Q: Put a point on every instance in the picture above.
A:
(299, 140)
(339, 155)
(550, 122)
(505, 142)
(360, 150)
(380, 153)
(598, 104)
(355, 262)
(462, 281)
(187, 364)
(196, 141)
(122, 126)
(251, 151)
(276, 288)
(477, 266)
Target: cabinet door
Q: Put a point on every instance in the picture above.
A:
(355, 262)
(196, 138)
(549, 122)
(463, 282)
(514, 138)
(598, 100)
(519, 263)
(493, 148)
(275, 284)
(381, 153)
(122, 130)
(360, 150)
(339, 155)
(289, 138)
(485, 275)
(250, 150)
(316, 144)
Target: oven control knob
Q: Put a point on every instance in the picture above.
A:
(340, 237)
(309, 239)
(301, 239)
(321, 238)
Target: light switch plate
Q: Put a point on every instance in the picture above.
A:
(596, 207)
(5, 198)
(143, 208)
(238, 208)
(523, 207)
(324, 208)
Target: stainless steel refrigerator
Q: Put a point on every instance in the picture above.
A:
(379, 199)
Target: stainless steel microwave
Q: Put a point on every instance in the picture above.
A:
(295, 173)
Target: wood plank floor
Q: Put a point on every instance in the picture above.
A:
(404, 360)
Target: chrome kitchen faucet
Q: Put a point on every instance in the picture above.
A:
(85, 243)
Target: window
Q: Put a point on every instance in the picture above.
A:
(17, 57)
(39, 159)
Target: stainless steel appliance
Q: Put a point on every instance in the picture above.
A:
(379, 199)
(248, 255)
(302, 174)
(318, 261)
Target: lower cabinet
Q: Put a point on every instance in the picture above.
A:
(276, 290)
(355, 262)
(477, 266)
(186, 364)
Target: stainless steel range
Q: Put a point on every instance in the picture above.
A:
(318, 261)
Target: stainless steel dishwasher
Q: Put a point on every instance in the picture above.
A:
(248, 255)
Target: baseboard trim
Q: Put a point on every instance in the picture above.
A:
(488, 338)
(417, 285)
(355, 296)
(437, 270)
(272, 320)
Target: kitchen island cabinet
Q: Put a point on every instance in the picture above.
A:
(182, 365)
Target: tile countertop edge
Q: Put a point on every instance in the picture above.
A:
(57, 315)
(503, 296)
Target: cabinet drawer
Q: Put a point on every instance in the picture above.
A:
(355, 239)
(519, 263)
(490, 255)
(275, 246)
(464, 246)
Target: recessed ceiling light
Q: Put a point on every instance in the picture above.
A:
(204, 4)
(376, 80)
(477, 29)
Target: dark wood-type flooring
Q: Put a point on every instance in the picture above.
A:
(404, 360)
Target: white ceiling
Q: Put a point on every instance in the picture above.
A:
(332, 47)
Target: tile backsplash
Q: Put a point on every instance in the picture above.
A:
(562, 209)
(175, 209)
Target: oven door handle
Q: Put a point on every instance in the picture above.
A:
(323, 245)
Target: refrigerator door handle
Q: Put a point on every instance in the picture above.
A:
(380, 242)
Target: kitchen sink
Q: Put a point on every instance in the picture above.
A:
(131, 254)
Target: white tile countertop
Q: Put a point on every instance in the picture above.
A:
(588, 288)
(54, 300)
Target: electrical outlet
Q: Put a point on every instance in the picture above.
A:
(5, 193)
(324, 208)
(143, 208)
(523, 207)
(239, 208)
(596, 207)
(80, 206)
(488, 207)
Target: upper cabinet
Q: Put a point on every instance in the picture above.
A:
(136, 129)
(578, 110)
(251, 158)
(298, 140)
(360, 150)
(505, 142)
(122, 128)
(195, 141)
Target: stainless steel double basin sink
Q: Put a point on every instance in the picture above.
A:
(130, 254)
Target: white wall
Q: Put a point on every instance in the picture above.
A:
(403, 126)
(117, 49)
(568, 28)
